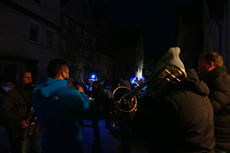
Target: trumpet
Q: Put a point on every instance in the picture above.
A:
(75, 85)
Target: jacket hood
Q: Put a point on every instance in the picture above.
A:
(194, 84)
(47, 86)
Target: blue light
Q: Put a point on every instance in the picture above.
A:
(93, 76)
(133, 80)
(143, 78)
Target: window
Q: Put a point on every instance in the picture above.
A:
(34, 32)
(72, 27)
(98, 59)
(49, 38)
(78, 29)
(65, 23)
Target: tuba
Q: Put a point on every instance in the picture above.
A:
(126, 99)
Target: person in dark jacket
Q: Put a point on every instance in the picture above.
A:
(97, 107)
(214, 73)
(15, 111)
(182, 117)
(58, 109)
(4, 138)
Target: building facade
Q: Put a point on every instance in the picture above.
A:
(190, 32)
(81, 41)
(206, 29)
(29, 37)
(216, 15)
(128, 53)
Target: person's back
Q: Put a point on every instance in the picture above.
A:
(214, 73)
(220, 98)
(183, 119)
(58, 109)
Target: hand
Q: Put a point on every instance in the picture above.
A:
(79, 88)
(133, 112)
(25, 124)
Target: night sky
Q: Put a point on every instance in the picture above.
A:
(157, 18)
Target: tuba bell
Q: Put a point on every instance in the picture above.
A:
(126, 99)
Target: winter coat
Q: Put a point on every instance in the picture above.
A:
(58, 109)
(218, 82)
(183, 119)
(16, 106)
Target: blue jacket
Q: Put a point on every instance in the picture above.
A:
(58, 109)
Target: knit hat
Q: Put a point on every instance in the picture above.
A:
(170, 58)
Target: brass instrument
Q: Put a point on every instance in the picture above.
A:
(31, 118)
(74, 83)
(125, 98)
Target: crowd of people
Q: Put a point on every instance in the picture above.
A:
(189, 116)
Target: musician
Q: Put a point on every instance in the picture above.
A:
(97, 107)
(182, 116)
(58, 109)
(124, 122)
(108, 105)
(4, 140)
(16, 108)
(214, 73)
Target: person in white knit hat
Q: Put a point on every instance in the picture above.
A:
(182, 116)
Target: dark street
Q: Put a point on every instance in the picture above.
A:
(109, 143)
(159, 70)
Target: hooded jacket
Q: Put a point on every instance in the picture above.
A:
(183, 119)
(58, 109)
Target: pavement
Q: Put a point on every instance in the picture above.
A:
(110, 141)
